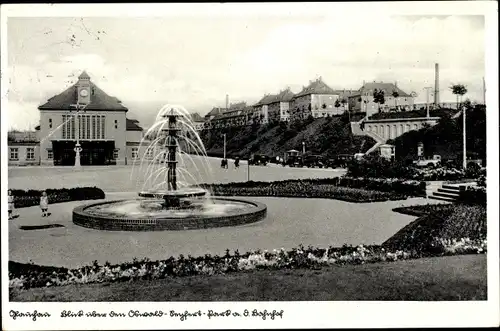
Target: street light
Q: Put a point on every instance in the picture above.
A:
(303, 148)
(465, 141)
(79, 107)
(224, 146)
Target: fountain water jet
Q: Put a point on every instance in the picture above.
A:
(167, 203)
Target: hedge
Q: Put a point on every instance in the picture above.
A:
(342, 188)
(472, 196)
(32, 197)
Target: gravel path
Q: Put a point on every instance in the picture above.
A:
(290, 222)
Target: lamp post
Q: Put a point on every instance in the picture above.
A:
(224, 146)
(465, 141)
(79, 107)
(303, 148)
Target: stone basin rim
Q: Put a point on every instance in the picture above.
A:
(254, 207)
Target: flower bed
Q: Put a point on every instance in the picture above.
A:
(29, 275)
(340, 188)
(32, 197)
(448, 223)
(422, 210)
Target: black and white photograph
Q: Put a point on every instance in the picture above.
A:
(260, 164)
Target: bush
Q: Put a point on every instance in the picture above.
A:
(340, 188)
(472, 196)
(445, 223)
(32, 197)
(378, 167)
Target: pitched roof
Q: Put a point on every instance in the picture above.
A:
(214, 112)
(266, 99)
(284, 96)
(388, 89)
(346, 93)
(84, 75)
(237, 106)
(195, 117)
(99, 100)
(315, 87)
(133, 125)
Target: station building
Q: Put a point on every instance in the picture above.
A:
(106, 135)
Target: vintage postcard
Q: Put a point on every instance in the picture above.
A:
(256, 165)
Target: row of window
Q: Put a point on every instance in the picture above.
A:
(14, 154)
(89, 126)
(30, 154)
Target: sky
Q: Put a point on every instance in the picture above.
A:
(195, 61)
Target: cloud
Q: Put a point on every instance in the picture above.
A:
(196, 62)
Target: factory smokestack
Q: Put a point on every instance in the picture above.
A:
(227, 101)
(436, 85)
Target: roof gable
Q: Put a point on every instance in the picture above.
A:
(99, 100)
(315, 87)
(388, 89)
(133, 125)
(266, 99)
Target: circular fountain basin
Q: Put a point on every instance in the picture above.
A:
(132, 215)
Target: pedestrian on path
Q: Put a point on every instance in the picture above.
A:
(44, 204)
(10, 203)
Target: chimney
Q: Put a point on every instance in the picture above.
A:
(436, 85)
(227, 101)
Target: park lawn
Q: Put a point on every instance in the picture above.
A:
(460, 277)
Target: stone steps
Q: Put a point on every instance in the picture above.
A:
(446, 192)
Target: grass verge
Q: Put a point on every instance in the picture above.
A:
(440, 278)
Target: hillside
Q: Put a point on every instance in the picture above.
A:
(323, 136)
(445, 138)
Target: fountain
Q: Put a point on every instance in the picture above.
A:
(169, 203)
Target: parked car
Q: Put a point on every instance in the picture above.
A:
(292, 159)
(434, 162)
(258, 159)
(312, 161)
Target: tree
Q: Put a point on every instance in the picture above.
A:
(379, 97)
(395, 94)
(337, 104)
(459, 90)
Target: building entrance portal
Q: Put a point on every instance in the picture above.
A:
(93, 152)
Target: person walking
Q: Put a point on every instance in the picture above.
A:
(10, 202)
(44, 204)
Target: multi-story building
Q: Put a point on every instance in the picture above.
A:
(235, 115)
(317, 99)
(279, 107)
(198, 121)
(23, 148)
(261, 109)
(105, 134)
(395, 98)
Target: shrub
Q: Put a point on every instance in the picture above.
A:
(472, 196)
(448, 223)
(32, 197)
(340, 188)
